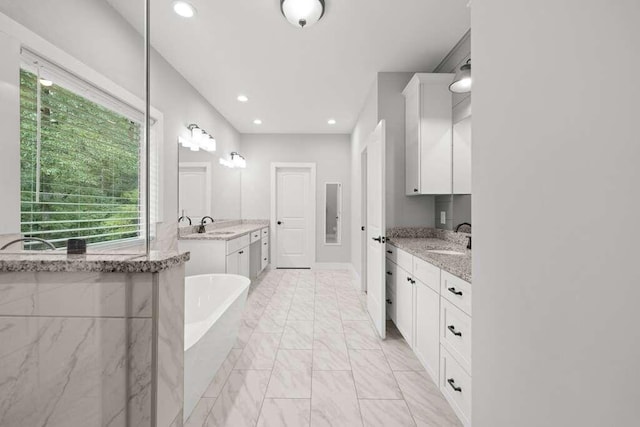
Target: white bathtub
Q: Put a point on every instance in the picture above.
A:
(214, 304)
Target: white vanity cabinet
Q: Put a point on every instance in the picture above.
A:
(239, 263)
(428, 134)
(432, 310)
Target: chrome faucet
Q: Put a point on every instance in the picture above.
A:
(29, 239)
(202, 228)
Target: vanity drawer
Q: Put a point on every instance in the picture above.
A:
(238, 243)
(455, 384)
(255, 236)
(457, 291)
(264, 262)
(265, 232)
(400, 257)
(455, 333)
(427, 273)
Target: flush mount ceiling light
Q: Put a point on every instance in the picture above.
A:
(462, 81)
(302, 13)
(243, 98)
(199, 140)
(257, 122)
(184, 9)
(331, 122)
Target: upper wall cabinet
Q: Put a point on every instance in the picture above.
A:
(429, 126)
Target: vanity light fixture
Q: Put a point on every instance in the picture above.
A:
(462, 81)
(184, 9)
(199, 140)
(243, 98)
(235, 160)
(302, 13)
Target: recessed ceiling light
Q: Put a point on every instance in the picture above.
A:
(184, 9)
(243, 98)
(257, 122)
(46, 83)
(332, 121)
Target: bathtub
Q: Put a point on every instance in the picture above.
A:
(214, 304)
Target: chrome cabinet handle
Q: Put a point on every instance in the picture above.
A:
(454, 291)
(389, 252)
(453, 385)
(453, 331)
(389, 273)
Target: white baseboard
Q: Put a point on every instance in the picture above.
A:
(333, 266)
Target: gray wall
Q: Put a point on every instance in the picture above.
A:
(555, 276)
(457, 207)
(331, 155)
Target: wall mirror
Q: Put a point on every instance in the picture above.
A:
(333, 213)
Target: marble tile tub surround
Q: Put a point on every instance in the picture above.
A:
(307, 355)
(419, 241)
(237, 228)
(47, 261)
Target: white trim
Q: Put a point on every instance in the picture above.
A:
(334, 266)
(363, 218)
(313, 194)
(339, 213)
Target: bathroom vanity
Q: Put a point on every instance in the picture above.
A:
(92, 339)
(235, 247)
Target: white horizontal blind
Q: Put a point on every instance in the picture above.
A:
(80, 159)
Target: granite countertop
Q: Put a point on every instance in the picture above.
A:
(36, 261)
(226, 232)
(418, 243)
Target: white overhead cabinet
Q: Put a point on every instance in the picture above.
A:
(428, 133)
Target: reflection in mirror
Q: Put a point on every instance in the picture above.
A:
(73, 128)
(194, 192)
(333, 212)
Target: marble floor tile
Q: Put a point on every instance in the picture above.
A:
(291, 375)
(400, 356)
(301, 312)
(373, 377)
(360, 335)
(285, 413)
(240, 401)
(298, 334)
(330, 353)
(427, 405)
(260, 352)
(385, 413)
(327, 326)
(198, 417)
(223, 373)
(333, 401)
(272, 322)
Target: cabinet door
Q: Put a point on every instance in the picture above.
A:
(427, 324)
(244, 263)
(233, 263)
(404, 305)
(412, 142)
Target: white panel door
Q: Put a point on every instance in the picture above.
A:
(376, 227)
(293, 218)
(195, 190)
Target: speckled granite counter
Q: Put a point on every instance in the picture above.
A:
(227, 231)
(419, 241)
(32, 261)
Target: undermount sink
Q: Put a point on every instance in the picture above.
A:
(444, 252)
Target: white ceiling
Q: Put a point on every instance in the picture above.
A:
(298, 79)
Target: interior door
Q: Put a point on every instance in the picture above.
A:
(376, 227)
(293, 218)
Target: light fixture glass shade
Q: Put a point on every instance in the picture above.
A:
(462, 81)
(302, 13)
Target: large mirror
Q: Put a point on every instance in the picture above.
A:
(333, 214)
(72, 127)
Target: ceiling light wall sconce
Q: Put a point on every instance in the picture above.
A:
(199, 140)
(302, 13)
(235, 160)
(462, 82)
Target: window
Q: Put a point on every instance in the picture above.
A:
(81, 157)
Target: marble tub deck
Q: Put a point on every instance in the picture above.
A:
(307, 355)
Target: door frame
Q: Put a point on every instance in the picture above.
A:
(275, 166)
(363, 219)
(207, 170)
